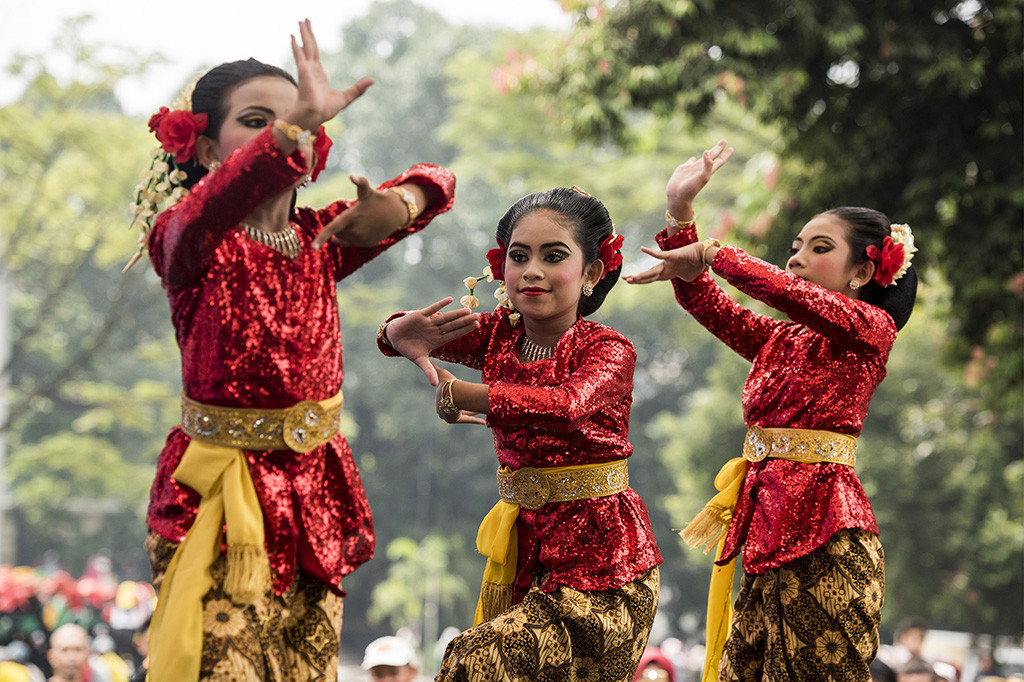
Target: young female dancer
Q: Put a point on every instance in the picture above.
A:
(571, 583)
(251, 282)
(811, 593)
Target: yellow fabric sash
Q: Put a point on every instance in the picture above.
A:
(710, 526)
(220, 475)
(498, 541)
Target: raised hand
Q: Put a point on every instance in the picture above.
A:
(683, 263)
(416, 334)
(317, 100)
(690, 177)
(375, 215)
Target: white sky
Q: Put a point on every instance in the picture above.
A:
(198, 33)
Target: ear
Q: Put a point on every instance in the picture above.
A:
(594, 272)
(864, 272)
(205, 152)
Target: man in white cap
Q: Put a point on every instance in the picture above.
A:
(390, 659)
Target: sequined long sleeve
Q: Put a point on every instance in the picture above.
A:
(817, 372)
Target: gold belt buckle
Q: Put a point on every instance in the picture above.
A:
(531, 488)
(756, 444)
(304, 423)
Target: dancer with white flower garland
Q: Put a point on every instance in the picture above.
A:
(571, 582)
(813, 571)
(257, 510)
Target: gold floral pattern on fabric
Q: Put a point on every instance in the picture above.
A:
(293, 636)
(563, 636)
(816, 619)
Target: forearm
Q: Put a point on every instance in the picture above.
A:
(471, 397)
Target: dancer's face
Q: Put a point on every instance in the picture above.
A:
(821, 254)
(252, 106)
(544, 269)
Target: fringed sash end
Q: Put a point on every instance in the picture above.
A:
(707, 528)
(494, 598)
(248, 577)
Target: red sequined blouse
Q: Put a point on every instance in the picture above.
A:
(818, 371)
(570, 409)
(256, 329)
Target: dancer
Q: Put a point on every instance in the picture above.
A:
(251, 282)
(571, 583)
(811, 593)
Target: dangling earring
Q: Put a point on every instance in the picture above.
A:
(854, 284)
(588, 289)
(306, 180)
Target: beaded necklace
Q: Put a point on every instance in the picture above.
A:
(286, 242)
(530, 351)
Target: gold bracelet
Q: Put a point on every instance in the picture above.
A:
(708, 243)
(674, 222)
(448, 401)
(410, 203)
(295, 133)
(382, 333)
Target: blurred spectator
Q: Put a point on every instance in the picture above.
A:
(69, 656)
(390, 659)
(141, 642)
(654, 667)
(880, 672)
(916, 670)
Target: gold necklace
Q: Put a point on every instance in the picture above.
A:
(530, 351)
(286, 242)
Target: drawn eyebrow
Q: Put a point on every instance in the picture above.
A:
(550, 245)
(816, 237)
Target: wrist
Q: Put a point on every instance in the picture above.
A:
(411, 207)
(709, 248)
(675, 223)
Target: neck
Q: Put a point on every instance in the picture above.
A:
(545, 333)
(273, 214)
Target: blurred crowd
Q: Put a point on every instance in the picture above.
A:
(55, 626)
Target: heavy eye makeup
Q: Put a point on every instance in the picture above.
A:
(256, 119)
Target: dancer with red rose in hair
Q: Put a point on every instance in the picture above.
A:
(257, 510)
(571, 581)
(813, 571)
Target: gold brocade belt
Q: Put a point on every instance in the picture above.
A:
(301, 427)
(800, 445)
(532, 488)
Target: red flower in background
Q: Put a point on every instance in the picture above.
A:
(177, 131)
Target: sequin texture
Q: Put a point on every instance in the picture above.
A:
(256, 329)
(817, 371)
(570, 409)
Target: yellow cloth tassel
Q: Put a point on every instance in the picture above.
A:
(498, 541)
(221, 476)
(709, 528)
(248, 576)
